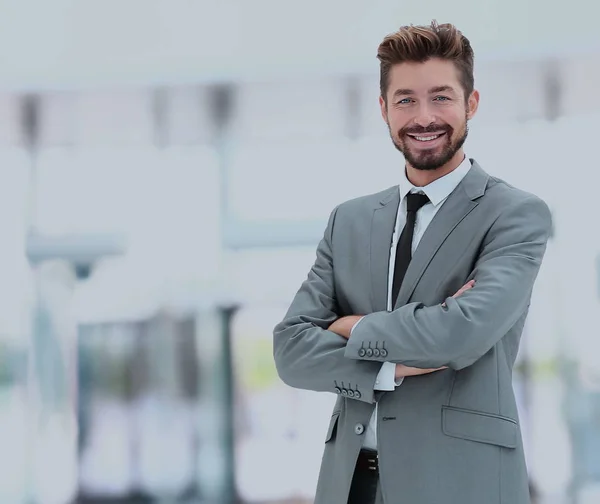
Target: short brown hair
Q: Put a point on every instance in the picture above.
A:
(417, 44)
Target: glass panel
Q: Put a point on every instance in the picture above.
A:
(10, 120)
(162, 201)
(305, 110)
(107, 467)
(16, 289)
(58, 119)
(16, 297)
(115, 118)
(188, 119)
(137, 381)
(273, 421)
(294, 182)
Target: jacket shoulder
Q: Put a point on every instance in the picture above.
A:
(369, 201)
(504, 199)
(504, 193)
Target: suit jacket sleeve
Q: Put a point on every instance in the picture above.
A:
(458, 334)
(307, 355)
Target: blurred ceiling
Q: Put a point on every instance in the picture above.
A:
(62, 44)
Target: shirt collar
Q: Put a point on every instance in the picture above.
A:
(439, 189)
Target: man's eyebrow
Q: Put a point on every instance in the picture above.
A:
(441, 89)
(403, 91)
(433, 90)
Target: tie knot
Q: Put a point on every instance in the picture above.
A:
(415, 201)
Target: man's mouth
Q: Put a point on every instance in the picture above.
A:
(429, 137)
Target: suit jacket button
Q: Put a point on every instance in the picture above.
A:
(338, 390)
(344, 392)
(383, 352)
(357, 394)
(369, 352)
(350, 393)
(361, 352)
(359, 429)
(376, 352)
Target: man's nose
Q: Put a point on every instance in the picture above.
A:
(425, 116)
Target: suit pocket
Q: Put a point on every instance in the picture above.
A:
(331, 430)
(478, 426)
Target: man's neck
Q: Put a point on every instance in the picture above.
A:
(421, 178)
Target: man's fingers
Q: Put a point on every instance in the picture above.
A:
(469, 285)
(404, 371)
(464, 288)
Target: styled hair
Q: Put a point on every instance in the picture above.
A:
(418, 44)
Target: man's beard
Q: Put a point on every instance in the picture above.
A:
(431, 159)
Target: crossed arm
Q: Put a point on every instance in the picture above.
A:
(310, 354)
(343, 327)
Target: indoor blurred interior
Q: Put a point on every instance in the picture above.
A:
(166, 172)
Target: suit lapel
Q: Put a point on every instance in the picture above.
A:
(382, 230)
(456, 207)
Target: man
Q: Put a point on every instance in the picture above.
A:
(413, 310)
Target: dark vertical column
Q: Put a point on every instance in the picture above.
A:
(353, 125)
(216, 467)
(221, 108)
(228, 403)
(553, 90)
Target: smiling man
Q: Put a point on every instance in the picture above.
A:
(413, 310)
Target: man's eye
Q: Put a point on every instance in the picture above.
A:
(441, 98)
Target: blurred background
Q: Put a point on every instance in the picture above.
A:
(166, 172)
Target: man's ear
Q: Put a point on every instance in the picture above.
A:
(472, 104)
(383, 107)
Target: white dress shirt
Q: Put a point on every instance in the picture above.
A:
(437, 192)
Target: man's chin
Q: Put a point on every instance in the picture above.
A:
(425, 163)
(426, 167)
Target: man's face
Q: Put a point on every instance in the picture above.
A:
(426, 112)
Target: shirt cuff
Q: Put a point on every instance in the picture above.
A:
(385, 380)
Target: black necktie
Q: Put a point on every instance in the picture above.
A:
(404, 249)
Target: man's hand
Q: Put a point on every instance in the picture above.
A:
(469, 285)
(344, 325)
(402, 371)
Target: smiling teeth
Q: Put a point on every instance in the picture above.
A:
(426, 139)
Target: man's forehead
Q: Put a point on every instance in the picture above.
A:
(428, 77)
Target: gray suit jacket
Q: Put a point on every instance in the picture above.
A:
(451, 436)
